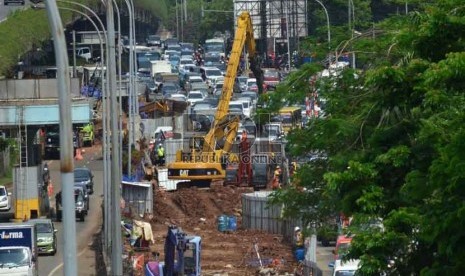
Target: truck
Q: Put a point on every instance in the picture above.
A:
(160, 66)
(262, 170)
(182, 255)
(87, 132)
(52, 142)
(18, 249)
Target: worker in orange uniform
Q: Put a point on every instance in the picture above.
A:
(276, 179)
(244, 135)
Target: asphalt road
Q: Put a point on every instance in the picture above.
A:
(53, 265)
(6, 10)
(324, 256)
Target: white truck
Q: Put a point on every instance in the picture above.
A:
(18, 249)
(160, 66)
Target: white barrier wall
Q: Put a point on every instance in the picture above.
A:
(34, 88)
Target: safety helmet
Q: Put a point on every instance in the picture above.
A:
(297, 228)
(278, 167)
(159, 145)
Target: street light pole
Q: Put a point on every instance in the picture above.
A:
(66, 146)
(105, 114)
(177, 20)
(132, 46)
(117, 244)
(327, 22)
(352, 8)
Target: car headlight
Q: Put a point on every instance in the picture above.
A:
(4, 199)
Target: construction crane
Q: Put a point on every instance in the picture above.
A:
(209, 155)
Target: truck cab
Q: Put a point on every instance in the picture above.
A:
(52, 143)
(273, 131)
(18, 249)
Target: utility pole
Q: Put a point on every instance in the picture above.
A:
(185, 10)
(74, 54)
(182, 24)
(177, 20)
(117, 244)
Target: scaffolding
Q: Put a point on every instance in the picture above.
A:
(276, 21)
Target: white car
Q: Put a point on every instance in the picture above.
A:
(5, 201)
(178, 97)
(247, 105)
(218, 89)
(194, 97)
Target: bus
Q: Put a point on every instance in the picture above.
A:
(215, 45)
(291, 117)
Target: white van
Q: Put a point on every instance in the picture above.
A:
(345, 268)
(210, 74)
(84, 52)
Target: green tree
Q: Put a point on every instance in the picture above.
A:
(392, 147)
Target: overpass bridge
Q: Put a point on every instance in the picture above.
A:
(28, 105)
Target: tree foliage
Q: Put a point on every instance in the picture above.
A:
(391, 147)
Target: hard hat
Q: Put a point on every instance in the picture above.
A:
(159, 145)
(277, 167)
(297, 228)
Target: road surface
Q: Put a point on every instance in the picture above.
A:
(53, 265)
(6, 10)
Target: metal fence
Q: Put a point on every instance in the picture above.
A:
(138, 197)
(171, 147)
(258, 214)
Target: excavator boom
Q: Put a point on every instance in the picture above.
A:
(209, 162)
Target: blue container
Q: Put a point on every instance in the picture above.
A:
(307, 60)
(232, 223)
(299, 254)
(222, 223)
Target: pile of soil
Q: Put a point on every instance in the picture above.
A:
(196, 211)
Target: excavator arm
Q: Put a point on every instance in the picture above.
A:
(209, 163)
(243, 37)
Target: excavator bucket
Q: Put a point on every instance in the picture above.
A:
(164, 106)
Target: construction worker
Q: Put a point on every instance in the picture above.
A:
(277, 178)
(298, 238)
(292, 169)
(161, 155)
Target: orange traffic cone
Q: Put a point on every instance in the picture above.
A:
(78, 154)
(138, 262)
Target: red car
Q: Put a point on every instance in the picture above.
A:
(271, 77)
(342, 244)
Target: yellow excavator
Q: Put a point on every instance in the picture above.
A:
(209, 155)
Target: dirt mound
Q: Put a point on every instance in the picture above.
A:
(196, 211)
